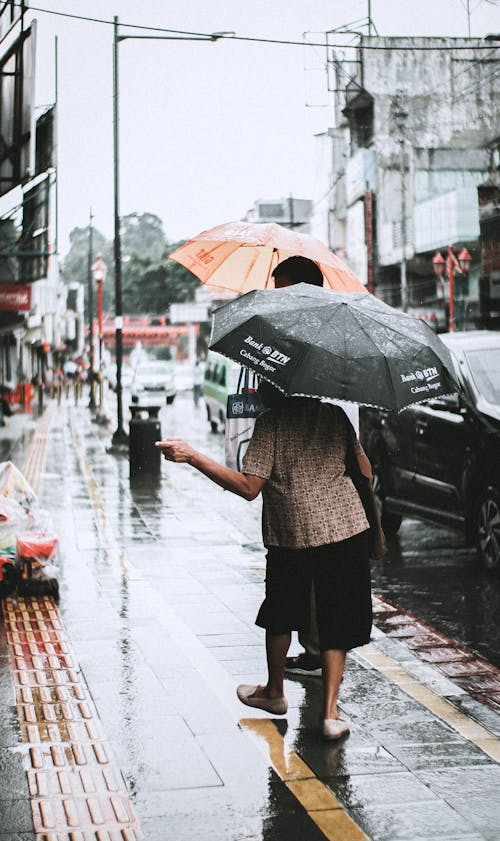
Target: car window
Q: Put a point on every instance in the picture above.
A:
(222, 378)
(485, 370)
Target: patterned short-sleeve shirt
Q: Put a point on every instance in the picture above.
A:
(308, 500)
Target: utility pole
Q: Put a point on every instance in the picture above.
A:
(369, 17)
(399, 115)
(404, 279)
(291, 221)
(90, 288)
(119, 436)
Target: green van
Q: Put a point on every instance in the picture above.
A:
(220, 380)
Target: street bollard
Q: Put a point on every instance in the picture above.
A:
(144, 431)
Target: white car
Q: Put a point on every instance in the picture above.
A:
(154, 378)
(127, 375)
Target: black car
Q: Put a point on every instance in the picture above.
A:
(440, 460)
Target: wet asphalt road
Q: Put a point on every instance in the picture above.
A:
(428, 570)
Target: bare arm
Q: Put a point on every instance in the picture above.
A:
(242, 484)
(365, 465)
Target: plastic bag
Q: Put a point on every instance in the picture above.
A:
(243, 409)
(13, 485)
(28, 544)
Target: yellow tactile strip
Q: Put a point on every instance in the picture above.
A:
(476, 675)
(459, 721)
(36, 457)
(317, 798)
(77, 790)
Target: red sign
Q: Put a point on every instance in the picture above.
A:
(14, 298)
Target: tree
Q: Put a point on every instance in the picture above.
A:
(150, 282)
(143, 236)
(74, 268)
(151, 287)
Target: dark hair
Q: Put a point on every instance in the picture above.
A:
(300, 270)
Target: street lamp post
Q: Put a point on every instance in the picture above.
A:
(400, 115)
(99, 269)
(120, 436)
(448, 267)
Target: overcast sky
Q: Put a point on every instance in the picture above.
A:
(206, 128)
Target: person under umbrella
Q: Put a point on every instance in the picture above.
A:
(316, 535)
(293, 270)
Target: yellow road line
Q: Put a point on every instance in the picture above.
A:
(459, 721)
(316, 798)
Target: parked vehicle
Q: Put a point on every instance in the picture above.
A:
(440, 460)
(219, 380)
(154, 377)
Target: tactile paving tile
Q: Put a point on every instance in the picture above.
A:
(77, 790)
(470, 672)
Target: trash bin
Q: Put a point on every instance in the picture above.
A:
(144, 430)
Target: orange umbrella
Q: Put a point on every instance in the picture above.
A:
(241, 256)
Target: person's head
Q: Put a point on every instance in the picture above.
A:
(297, 270)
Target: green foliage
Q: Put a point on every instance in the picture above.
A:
(143, 236)
(150, 281)
(150, 287)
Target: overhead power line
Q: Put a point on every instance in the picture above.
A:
(214, 36)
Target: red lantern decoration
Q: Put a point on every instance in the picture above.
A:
(439, 264)
(465, 261)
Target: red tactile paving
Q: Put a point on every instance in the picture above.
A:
(77, 790)
(443, 655)
(470, 672)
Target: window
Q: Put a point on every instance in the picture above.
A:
(16, 84)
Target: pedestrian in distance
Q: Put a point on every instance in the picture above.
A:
(316, 535)
(197, 382)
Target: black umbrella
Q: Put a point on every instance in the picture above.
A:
(313, 342)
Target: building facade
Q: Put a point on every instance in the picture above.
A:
(291, 212)
(30, 294)
(414, 124)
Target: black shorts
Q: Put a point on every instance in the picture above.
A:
(340, 574)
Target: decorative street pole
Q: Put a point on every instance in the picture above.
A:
(100, 271)
(452, 264)
(92, 405)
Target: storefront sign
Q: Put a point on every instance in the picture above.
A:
(14, 298)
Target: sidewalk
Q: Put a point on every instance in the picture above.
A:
(136, 671)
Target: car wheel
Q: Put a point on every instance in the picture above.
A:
(488, 529)
(390, 521)
(170, 399)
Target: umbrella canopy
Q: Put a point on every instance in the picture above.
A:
(241, 256)
(313, 342)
